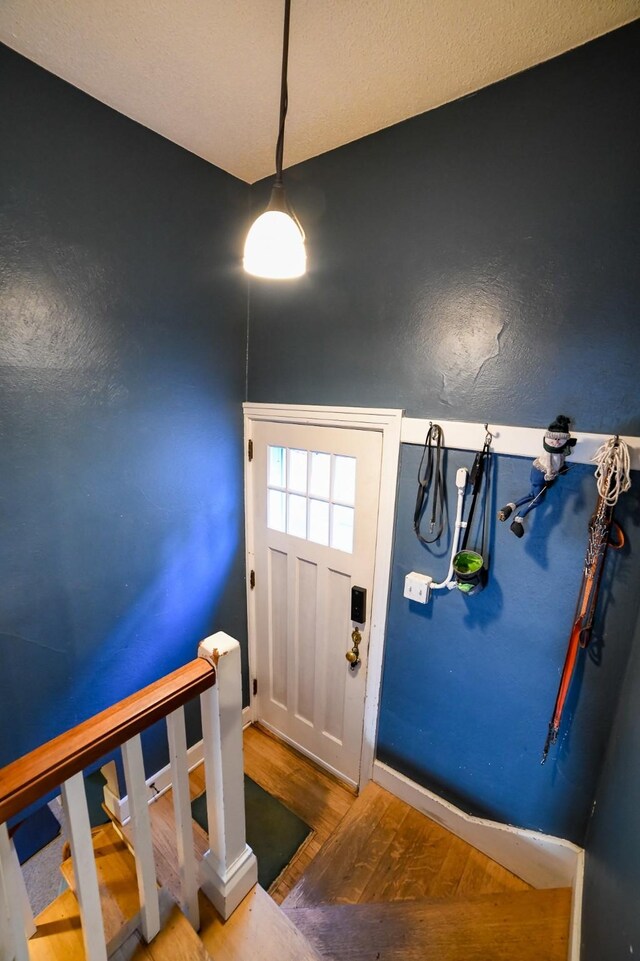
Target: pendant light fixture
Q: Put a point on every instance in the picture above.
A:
(274, 247)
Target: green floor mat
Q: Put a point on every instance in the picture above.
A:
(274, 833)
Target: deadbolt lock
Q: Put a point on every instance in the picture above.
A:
(353, 656)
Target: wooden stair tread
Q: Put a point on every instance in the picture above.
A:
(165, 851)
(177, 941)
(515, 926)
(59, 935)
(117, 880)
(258, 928)
(385, 850)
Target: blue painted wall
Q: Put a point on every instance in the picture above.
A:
(611, 920)
(480, 262)
(122, 372)
(476, 262)
(470, 682)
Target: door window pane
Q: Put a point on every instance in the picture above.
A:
(319, 522)
(276, 472)
(298, 471)
(297, 516)
(342, 528)
(311, 494)
(344, 480)
(320, 481)
(276, 510)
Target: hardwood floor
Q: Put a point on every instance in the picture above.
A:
(518, 926)
(384, 850)
(314, 795)
(371, 848)
(257, 929)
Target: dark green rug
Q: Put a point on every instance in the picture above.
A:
(274, 833)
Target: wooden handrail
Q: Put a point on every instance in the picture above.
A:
(24, 781)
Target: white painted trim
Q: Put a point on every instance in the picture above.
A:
(389, 423)
(539, 859)
(357, 417)
(249, 539)
(381, 586)
(575, 924)
(515, 441)
(160, 782)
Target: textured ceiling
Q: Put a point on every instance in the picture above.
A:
(206, 73)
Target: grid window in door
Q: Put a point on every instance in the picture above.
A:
(311, 494)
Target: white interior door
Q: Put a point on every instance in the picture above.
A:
(315, 509)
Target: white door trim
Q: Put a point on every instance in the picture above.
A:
(389, 423)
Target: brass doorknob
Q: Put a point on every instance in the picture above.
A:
(353, 656)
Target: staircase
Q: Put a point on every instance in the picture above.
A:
(377, 881)
(388, 885)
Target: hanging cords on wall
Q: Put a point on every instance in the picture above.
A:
(613, 477)
(481, 466)
(431, 484)
(613, 470)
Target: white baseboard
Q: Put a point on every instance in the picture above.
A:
(539, 859)
(160, 782)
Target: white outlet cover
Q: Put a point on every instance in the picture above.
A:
(417, 587)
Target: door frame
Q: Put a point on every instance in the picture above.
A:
(389, 423)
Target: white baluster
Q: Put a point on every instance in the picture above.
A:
(229, 869)
(13, 938)
(182, 809)
(21, 887)
(74, 800)
(142, 839)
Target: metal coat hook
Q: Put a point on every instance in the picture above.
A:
(488, 437)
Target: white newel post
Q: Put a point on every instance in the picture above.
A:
(229, 869)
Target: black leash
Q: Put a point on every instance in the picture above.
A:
(431, 480)
(480, 467)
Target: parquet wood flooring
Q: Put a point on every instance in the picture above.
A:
(513, 926)
(314, 795)
(384, 850)
(258, 929)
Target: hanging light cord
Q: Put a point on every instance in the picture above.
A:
(284, 93)
(613, 470)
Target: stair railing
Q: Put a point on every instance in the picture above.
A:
(227, 872)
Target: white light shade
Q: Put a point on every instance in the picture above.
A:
(274, 247)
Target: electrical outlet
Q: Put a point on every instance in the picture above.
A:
(417, 587)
